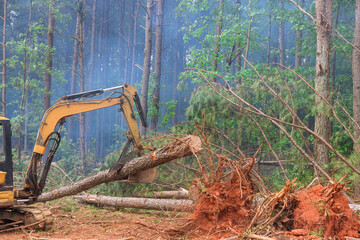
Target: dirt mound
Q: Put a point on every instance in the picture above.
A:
(325, 212)
(226, 207)
(225, 203)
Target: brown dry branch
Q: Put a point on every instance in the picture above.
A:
(356, 143)
(314, 20)
(179, 148)
(269, 145)
(277, 122)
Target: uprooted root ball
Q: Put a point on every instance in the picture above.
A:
(225, 204)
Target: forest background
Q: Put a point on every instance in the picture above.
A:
(282, 76)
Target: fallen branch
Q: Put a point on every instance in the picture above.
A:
(177, 149)
(141, 203)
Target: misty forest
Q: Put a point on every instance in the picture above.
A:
(274, 84)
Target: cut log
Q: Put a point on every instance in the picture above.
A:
(180, 194)
(182, 147)
(172, 194)
(141, 203)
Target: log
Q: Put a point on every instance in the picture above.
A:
(141, 203)
(179, 148)
(171, 194)
(179, 194)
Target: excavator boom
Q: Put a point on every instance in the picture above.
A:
(125, 96)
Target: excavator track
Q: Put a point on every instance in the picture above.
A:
(33, 217)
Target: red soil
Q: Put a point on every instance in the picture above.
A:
(326, 212)
(225, 208)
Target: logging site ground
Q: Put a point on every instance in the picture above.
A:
(75, 221)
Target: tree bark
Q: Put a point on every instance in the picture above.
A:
(147, 62)
(248, 36)
(268, 53)
(298, 47)
(136, 13)
(82, 86)
(157, 68)
(281, 37)
(142, 203)
(127, 53)
(92, 46)
(177, 149)
(176, 194)
(74, 72)
(48, 61)
(217, 37)
(356, 71)
(3, 98)
(324, 10)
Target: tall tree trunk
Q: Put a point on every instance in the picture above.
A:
(147, 61)
(25, 84)
(324, 10)
(100, 113)
(126, 70)
(92, 46)
(157, 67)
(281, 37)
(48, 67)
(333, 69)
(3, 98)
(239, 50)
(269, 40)
(74, 72)
(176, 62)
(248, 36)
(356, 70)
(298, 47)
(82, 87)
(136, 13)
(218, 36)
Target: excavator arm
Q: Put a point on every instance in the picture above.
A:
(125, 96)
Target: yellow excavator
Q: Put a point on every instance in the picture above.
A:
(16, 207)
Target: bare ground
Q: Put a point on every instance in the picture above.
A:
(73, 221)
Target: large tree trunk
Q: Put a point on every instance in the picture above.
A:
(82, 86)
(324, 10)
(25, 81)
(92, 46)
(3, 98)
(74, 72)
(157, 68)
(248, 36)
(147, 62)
(219, 25)
(298, 47)
(356, 70)
(142, 203)
(268, 53)
(136, 13)
(48, 61)
(127, 53)
(177, 149)
(282, 37)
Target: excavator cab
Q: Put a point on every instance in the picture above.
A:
(6, 164)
